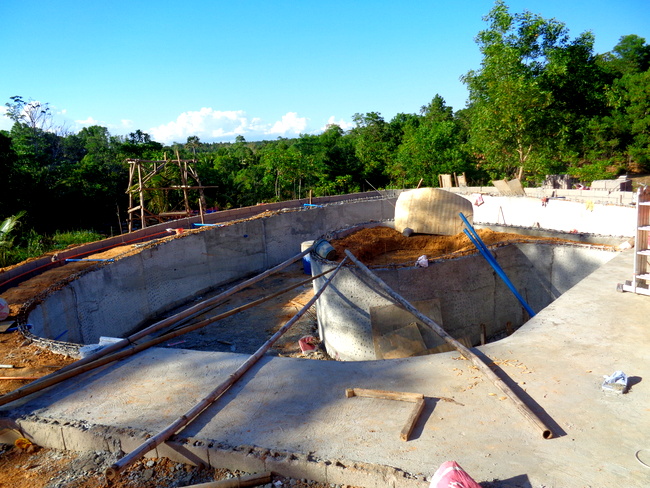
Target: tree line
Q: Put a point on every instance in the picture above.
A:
(540, 103)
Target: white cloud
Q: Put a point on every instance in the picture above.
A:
(205, 123)
(216, 125)
(127, 124)
(88, 122)
(290, 123)
(341, 123)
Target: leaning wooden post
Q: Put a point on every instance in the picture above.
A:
(484, 368)
(113, 471)
(93, 361)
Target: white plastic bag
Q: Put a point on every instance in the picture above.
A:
(617, 382)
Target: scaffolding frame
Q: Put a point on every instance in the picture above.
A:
(142, 171)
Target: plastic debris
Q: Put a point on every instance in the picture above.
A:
(307, 343)
(24, 445)
(422, 262)
(617, 382)
(451, 475)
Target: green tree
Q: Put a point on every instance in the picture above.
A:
(432, 146)
(375, 146)
(509, 118)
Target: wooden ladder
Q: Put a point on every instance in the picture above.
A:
(641, 279)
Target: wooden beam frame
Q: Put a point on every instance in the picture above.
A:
(417, 398)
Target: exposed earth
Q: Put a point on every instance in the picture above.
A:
(26, 466)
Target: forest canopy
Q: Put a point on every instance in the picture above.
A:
(540, 103)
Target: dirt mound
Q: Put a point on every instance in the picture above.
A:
(384, 246)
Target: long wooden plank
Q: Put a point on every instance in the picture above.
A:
(384, 394)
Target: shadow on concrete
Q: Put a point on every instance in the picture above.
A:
(631, 381)
(520, 481)
(429, 406)
(555, 428)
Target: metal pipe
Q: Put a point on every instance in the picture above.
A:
(485, 252)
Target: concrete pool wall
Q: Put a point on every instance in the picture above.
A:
(115, 299)
(464, 295)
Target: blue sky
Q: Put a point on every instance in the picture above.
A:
(262, 69)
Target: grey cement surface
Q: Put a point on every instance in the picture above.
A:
(557, 360)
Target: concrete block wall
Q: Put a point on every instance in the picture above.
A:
(561, 215)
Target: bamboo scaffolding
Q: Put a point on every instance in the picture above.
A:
(63, 373)
(466, 352)
(113, 471)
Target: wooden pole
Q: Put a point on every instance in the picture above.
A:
(113, 471)
(466, 352)
(46, 382)
(62, 374)
(143, 220)
(239, 481)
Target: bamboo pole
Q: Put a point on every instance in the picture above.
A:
(136, 348)
(239, 481)
(484, 368)
(9, 378)
(113, 471)
(62, 374)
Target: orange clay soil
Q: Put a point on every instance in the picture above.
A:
(384, 246)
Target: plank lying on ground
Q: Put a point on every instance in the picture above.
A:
(384, 394)
(417, 398)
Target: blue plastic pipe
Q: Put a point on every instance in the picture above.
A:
(482, 248)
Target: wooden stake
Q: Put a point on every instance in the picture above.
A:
(484, 368)
(412, 419)
(113, 471)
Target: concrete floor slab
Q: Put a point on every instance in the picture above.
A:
(294, 412)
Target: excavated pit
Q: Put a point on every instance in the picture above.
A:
(458, 288)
